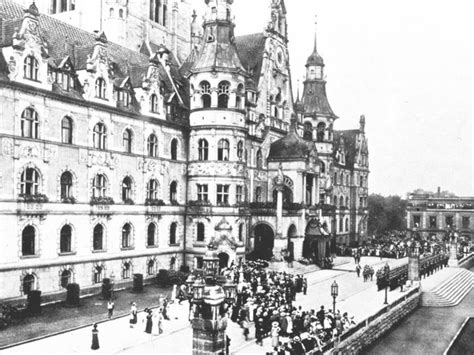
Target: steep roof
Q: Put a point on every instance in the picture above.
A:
(251, 49)
(314, 100)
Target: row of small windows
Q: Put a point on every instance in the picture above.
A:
(29, 238)
(58, 6)
(159, 12)
(223, 92)
(432, 221)
(341, 202)
(320, 131)
(343, 224)
(223, 152)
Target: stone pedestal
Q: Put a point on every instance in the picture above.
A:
(414, 268)
(209, 337)
(453, 255)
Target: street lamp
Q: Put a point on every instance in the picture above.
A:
(387, 280)
(334, 293)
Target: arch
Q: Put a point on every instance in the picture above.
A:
(287, 195)
(223, 94)
(174, 149)
(203, 150)
(341, 201)
(127, 140)
(29, 123)
(259, 159)
(240, 150)
(66, 185)
(126, 269)
(30, 181)
(111, 12)
(174, 192)
(151, 240)
(29, 283)
(154, 104)
(335, 201)
(258, 194)
(223, 260)
(28, 241)
(100, 88)
(65, 278)
(152, 189)
(292, 231)
(100, 136)
(264, 237)
(321, 129)
(308, 131)
(66, 130)
(65, 239)
(121, 13)
(223, 150)
(98, 272)
(98, 238)
(31, 68)
(152, 145)
(173, 229)
(99, 186)
(151, 266)
(205, 94)
(127, 184)
(127, 236)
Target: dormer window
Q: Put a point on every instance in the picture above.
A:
(154, 107)
(100, 88)
(31, 68)
(124, 97)
(64, 79)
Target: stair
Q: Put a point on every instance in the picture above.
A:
(451, 292)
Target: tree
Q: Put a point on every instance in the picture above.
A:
(386, 214)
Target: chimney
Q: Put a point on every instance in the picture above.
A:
(439, 191)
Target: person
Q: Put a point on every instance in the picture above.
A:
(173, 293)
(305, 286)
(182, 293)
(227, 344)
(149, 321)
(259, 331)
(275, 333)
(110, 308)
(133, 314)
(157, 329)
(95, 337)
(320, 315)
(358, 270)
(165, 309)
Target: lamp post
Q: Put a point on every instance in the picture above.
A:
(387, 281)
(334, 293)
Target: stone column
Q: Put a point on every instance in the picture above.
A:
(279, 211)
(414, 264)
(304, 188)
(453, 246)
(315, 190)
(209, 336)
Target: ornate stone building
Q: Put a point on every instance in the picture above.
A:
(117, 161)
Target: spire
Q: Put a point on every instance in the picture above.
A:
(298, 91)
(315, 59)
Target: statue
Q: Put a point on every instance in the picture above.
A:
(279, 178)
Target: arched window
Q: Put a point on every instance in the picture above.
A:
(341, 201)
(341, 225)
(150, 267)
(152, 146)
(201, 232)
(165, 14)
(321, 129)
(66, 278)
(205, 94)
(152, 190)
(203, 150)
(99, 186)
(100, 88)
(308, 131)
(29, 123)
(174, 149)
(127, 189)
(127, 140)
(241, 232)
(98, 238)
(173, 228)
(30, 181)
(121, 13)
(98, 274)
(258, 194)
(66, 130)
(259, 159)
(154, 103)
(66, 185)
(347, 202)
(174, 192)
(223, 150)
(323, 167)
(223, 92)
(31, 68)
(111, 12)
(100, 136)
(341, 179)
(335, 201)
(348, 180)
(240, 96)
(28, 283)
(240, 150)
(151, 235)
(65, 239)
(126, 236)
(347, 225)
(28, 240)
(276, 112)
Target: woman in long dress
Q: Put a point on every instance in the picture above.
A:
(149, 322)
(157, 322)
(133, 314)
(95, 338)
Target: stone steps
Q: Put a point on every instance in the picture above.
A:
(451, 292)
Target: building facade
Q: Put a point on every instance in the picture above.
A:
(118, 160)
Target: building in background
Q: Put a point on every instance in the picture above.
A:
(122, 159)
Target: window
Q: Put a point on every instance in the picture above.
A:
(241, 232)
(98, 238)
(203, 150)
(174, 149)
(28, 239)
(30, 180)
(66, 277)
(174, 192)
(341, 225)
(259, 159)
(361, 181)
(347, 180)
(200, 232)
(154, 104)
(222, 194)
(202, 193)
(165, 14)
(29, 123)
(28, 283)
(361, 202)
(199, 262)
(127, 189)
(98, 274)
(151, 235)
(449, 221)
(223, 92)
(335, 201)
(127, 141)
(121, 13)
(126, 236)
(341, 201)
(99, 188)
(347, 225)
(240, 96)
(123, 96)
(66, 130)
(150, 267)
(223, 149)
(323, 168)
(63, 7)
(258, 194)
(240, 150)
(100, 88)
(152, 190)
(111, 12)
(308, 131)
(341, 179)
(320, 132)
(239, 193)
(347, 202)
(433, 222)
(205, 94)
(173, 233)
(416, 221)
(100, 136)
(152, 146)
(65, 239)
(66, 185)
(31, 68)
(466, 222)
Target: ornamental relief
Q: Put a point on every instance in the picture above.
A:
(7, 147)
(216, 169)
(261, 175)
(108, 160)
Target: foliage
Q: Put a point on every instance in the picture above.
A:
(102, 201)
(33, 198)
(386, 214)
(171, 277)
(71, 200)
(129, 201)
(199, 203)
(154, 202)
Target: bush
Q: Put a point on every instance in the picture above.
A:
(72, 297)
(170, 277)
(137, 282)
(185, 269)
(34, 302)
(106, 289)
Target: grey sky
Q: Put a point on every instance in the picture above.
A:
(405, 64)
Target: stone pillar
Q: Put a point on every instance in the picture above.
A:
(315, 190)
(414, 264)
(304, 188)
(279, 211)
(209, 336)
(453, 252)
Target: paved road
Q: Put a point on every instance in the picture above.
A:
(358, 298)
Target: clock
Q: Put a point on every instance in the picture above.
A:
(280, 58)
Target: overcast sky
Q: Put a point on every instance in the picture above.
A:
(405, 64)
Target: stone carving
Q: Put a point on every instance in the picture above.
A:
(216, 169)
(29, 152)
(261, 175)
(165, 168)
(12, 66)
(103, 159)
(148, 165)
(7, 147)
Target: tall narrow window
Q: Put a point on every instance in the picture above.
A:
(165, 15)
(151, 235)
(308, 131)
(223, 194)
(66, 130)
(203, 150)
(173, 228)
(66, 185)
(29, 123)
(259, 159)
(205, 94)
(100, 136)
(154, 104)
(63, 6)
(239, 193)
(201, 232)
(126, 189)
(31, 68)
(65, 239)
(174, 192)
(152, 146)
(174, 149)
(152, 190)
(126, 236)
(99, 188)
(98, 274)
(241, 232)
(126, 271)
(202, 193)
(258, 194)
(223, 92)
(127, 141)
(240, 150)
(151, 269)
(100, 88)
(321, 131)
(30, 181)
(223, 150)
(98, 238)
(28, 239)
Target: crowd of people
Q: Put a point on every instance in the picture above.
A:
(266, 299)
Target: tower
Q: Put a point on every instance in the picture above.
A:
(115, 13)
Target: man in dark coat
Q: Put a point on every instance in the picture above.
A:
(320, 315)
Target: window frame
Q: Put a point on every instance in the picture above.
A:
(29, 123)
(66, 130)
(31, 68)
(223, 150)
(30, 186)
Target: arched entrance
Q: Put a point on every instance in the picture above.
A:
(223, 260)
(264, 240)
(292, 233)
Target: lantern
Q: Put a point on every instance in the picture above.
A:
(198, 290)
(230, 290)
(211, 263)
(334, 289)
(189, 283)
